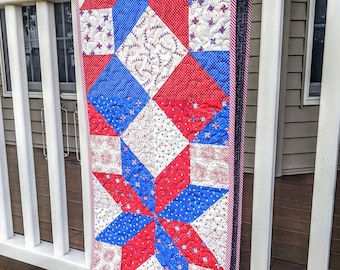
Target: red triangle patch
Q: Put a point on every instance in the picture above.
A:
(97, 123)
(97, 4)
(190, 81)
(118, 189)
(175, 15)
(172, 180)
(190, 117)
(93, 67)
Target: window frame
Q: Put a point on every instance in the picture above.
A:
(307, 99)
(35, 88)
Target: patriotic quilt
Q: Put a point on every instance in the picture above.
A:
(165, 87)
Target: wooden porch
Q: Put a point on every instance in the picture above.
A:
(292, 209)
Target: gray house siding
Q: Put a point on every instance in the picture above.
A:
(36, 106)
(252, 87)
(297, 123)
(300, 122)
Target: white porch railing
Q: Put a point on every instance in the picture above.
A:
(28, 247)
(57, 255)
(266, 126)
(266, 132)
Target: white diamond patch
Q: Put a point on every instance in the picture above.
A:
(97, 31)
(209, 165)
(154, 138)
(106, 256)
(152, 58)
(106, 154)
(209, 25)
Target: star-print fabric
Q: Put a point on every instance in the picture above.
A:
(164, 83)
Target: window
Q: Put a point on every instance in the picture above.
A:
(314, 53)
(64, 36)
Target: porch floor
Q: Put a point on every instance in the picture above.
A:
(292, 208)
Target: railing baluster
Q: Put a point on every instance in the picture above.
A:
(17, 60)
(83, 142)
(327, 146)
(266, 132)
(6, 224)
(53, 126)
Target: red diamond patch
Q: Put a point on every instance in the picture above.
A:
(172, 180)
(142, 246)
(122, 193)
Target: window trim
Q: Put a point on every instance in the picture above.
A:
(5, 92)
(306, 98)
(33, 85)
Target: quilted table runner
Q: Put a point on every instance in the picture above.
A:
(165, 85)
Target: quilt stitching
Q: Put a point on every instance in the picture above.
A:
(159, 110)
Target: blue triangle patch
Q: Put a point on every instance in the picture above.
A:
(117, 81)
(125, 15)
(217, 65)
(117, 96)
(216, 132)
